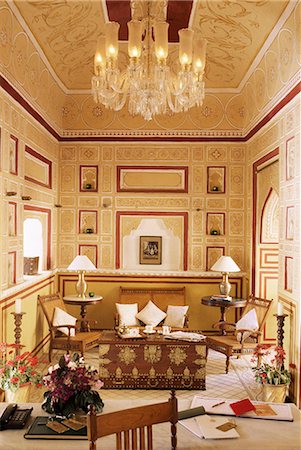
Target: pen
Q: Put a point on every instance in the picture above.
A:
(217, 404)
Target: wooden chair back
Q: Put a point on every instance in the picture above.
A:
(162, 297)
(133, 427)
(48, 303)
(261, 305)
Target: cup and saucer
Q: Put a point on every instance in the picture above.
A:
(149, 329)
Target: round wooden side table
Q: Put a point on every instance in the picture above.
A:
(223, 305)
(83, 303)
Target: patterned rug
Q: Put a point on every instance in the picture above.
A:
(237, 384)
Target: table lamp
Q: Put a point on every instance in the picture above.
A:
(225, 264)
(81, 263)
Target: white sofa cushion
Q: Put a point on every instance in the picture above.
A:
(175, 316)
(127, 313)
(61, 317)
(151, 314)
(247, 322)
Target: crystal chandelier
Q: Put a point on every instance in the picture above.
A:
(149, 85)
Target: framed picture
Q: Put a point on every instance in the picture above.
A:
(215, 223)
(290, 158)
(216, 179)
(12, 218)
(88, 179)
(89, 250)
(290, 222)
(87, 221)
(288, 273)
(150, 250)
(13, 155)
(212, 255)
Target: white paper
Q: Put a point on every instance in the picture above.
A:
(208, 426)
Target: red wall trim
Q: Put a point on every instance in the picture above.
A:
(48, 163)
(261, 218)
(48, 212)
(184, 169)
(22, 102)
(152, 213)
(257, 164)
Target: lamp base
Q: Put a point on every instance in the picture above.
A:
(81, 285)
(225, 286)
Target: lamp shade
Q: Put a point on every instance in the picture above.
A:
(225, 264)
(81, 262)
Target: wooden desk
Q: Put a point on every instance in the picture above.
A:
(223, 305)
(83, 303)
(254, 433)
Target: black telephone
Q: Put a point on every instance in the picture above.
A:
(14, 417)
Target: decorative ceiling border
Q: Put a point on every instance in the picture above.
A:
(156, 135)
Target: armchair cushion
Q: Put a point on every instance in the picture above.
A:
(175, 316)
(61, 317)
(127, 313)
(151, 314)
(248, 322)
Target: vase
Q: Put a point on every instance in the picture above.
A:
(274, 393)
(21, 395)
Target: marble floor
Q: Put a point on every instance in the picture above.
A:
(237, 384)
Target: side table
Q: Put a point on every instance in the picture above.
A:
(223, 305)
(83, 303)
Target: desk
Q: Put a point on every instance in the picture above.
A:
(224, 305)
(254, 433)
(83, 303)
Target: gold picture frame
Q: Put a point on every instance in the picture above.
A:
(150, 250)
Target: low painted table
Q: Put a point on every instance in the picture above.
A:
(152, 362)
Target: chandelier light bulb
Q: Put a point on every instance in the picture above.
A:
(111, 41)
(185, 49)
(161, 40)
(135, 38)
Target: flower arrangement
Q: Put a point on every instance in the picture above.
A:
(71, 386)
(271, 369)
(17, 370)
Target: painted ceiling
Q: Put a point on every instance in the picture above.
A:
(66, 31)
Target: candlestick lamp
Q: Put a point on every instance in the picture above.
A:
(225, 264)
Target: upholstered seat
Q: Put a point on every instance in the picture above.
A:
(161, 297)
(80, 342)
(232, 344)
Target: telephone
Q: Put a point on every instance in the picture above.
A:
(14, 417)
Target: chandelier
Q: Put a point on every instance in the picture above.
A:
(148, 84)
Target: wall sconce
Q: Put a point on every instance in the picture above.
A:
(11, 193)
(26, 197)
(57, 205)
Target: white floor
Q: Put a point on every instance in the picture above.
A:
(237, 384)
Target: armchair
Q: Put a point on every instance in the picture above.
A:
(240, 341)
(80, 342)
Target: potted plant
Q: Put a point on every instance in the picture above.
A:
(271, 373)
(71, 387)
(17, 372)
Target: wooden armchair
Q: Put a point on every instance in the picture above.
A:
(133, 427)
(230, 344)
(80, 342)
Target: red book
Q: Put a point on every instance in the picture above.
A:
(242, 406)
